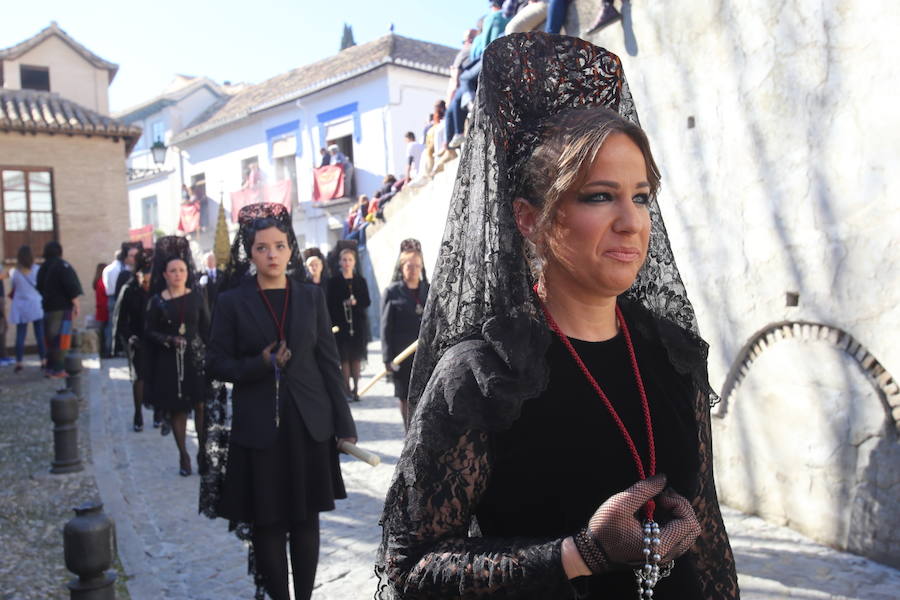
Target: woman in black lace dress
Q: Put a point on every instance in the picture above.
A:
(176, 328)
(348, 299)
(560, 442)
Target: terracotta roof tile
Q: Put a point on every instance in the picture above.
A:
(299, 82)
(31, 111)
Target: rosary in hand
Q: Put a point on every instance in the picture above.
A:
(273, 354)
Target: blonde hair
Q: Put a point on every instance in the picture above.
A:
(408, 254)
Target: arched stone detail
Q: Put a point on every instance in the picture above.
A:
(878, 376)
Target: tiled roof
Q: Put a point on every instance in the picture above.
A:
(31, 111)
(21, 48)
(302, 81)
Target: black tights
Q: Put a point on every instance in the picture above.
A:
(351, 369)
(179, 432)
(271, 559)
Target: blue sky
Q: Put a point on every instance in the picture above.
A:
(227, 39)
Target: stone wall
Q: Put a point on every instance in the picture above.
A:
(777, 143)
(89, 194)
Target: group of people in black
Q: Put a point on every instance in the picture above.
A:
(289, 333)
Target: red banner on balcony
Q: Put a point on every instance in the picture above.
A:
(144, 235)
(189, 219)
(276, 193)
(328, 182)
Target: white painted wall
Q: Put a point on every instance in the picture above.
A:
(785, 182)
(412, 98)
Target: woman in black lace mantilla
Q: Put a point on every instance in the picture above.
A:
(559, 363)
(176, 327)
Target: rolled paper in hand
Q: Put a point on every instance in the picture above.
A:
(407, 352)
(335, 329)
(357, 452)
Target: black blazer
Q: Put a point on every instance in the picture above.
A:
(241, 328)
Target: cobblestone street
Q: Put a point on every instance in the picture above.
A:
(168, 550)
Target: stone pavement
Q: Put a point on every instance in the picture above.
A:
(170, 551)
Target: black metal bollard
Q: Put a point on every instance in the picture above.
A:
(74, 367)
(88, 540)
(64, 412)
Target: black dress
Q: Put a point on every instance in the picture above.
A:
(131, 312)
(288, 481)
(352, 337)
(164, 318)
(533, 469)
(401, 317)
(564, 456)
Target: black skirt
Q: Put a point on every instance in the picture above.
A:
(293, 479)
(401, 379)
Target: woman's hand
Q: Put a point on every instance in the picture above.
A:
(282, 355)
(619, 533)
(351, 440)
(267, 353)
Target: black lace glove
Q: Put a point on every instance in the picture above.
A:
(613, 538)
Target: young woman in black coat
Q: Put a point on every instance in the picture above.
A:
(271, 337)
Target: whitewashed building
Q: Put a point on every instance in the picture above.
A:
(364, 99)
(154, 190)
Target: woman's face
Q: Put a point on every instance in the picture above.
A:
(175, 273)
(314, 266)
(347, 262)
(602, 228)
(270, 252)
(412, 269)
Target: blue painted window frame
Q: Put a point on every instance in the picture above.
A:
(279, 131)
(347, 110)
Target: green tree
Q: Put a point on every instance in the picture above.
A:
(347, 37)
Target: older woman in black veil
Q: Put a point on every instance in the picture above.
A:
(401, 316)
(560, 443)
(274, 466)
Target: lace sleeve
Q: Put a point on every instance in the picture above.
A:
(427, 553)
(712, 550)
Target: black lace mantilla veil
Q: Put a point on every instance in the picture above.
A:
(218, 416)
(166, 248)
(483, 343)
(408, 245)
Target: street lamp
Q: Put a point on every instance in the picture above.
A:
(158, 149)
